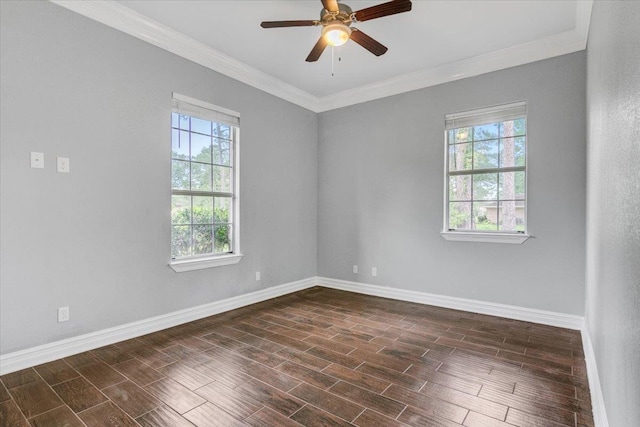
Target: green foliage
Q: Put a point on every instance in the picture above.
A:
(488, 147)
(201, 229)
(458, 219)
(201, 161)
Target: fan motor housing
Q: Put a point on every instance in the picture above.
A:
(343, 15)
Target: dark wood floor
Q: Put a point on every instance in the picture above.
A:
(319, 357)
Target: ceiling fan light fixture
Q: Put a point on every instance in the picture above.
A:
(336, 34)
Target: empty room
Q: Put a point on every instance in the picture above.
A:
(320, 213)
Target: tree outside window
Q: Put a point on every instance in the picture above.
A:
(486, 158)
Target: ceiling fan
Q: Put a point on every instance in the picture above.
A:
(336, 19)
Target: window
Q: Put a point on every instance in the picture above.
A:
(485, 195)
(204, 185)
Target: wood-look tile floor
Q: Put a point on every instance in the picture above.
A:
(319, 357)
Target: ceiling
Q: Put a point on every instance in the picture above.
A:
(436, 42)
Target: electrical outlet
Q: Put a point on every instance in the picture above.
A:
(63, 314)
(374, 271)
(257, 275)
(355, 269)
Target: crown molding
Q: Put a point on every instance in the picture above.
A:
(560, 44)
(121, 18)
(128, 21)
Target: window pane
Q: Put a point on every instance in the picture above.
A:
(180, 240)
(512, 185)
(460, 188)
(492, 201)
(512, 152)
(513, 128)
(485, 154)
(179, 150)
(223, 238)
(200, 177)
(489, 131)
(202, 239)
(202, 163)
(180, 210)
(485, 186)
(221, 152)
(185, 138)
(511, 216)
(202, 210)
(485, 215)
(200, 126)
(222, 209)
(463, 135)
(460, 215)
(222, 131)
(200, 148)
(180, 171)
(221, 179)
(183, 122)
(460, 157)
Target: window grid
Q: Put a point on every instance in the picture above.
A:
(476, 203)
(218, 239)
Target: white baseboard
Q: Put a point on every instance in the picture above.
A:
(22, 359)
(597, 400)
(551, 318)
(511, 312)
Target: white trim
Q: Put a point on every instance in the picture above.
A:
(544, 317)
(204, 104)
(597, 399)
(583, 20)
(22, 359)
(461, 236)
(115, 15)
(137, 25)
(34, 356)
(484, 115)
(557, 45)
(181, 266)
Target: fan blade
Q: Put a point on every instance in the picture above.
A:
(384, 9)
(317, 50)
(367, 42)
(279, 24)
(331, 5)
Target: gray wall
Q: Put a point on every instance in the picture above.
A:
(365, 183)
(380, 191)
(613, 208)
(98, 238)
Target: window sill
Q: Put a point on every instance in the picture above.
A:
(201, 263)
(457, 236)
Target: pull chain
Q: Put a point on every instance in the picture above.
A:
(332, 58)
(332, 49)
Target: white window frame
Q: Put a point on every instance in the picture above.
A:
(494, 114)
(195, 108)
